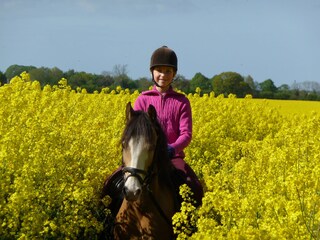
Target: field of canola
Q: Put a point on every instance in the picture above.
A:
(260, 167)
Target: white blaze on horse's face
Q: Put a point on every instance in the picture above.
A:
(138, 155)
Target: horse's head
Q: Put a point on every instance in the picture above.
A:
(139, 144)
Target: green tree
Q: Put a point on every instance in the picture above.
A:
(104, 81)
(15, 70)
(202, 82)
(268, 85)
(267, 89)
(181, 83)
(68, 73)
(283, 92)
(254, 86)
(284, 87)
(56, 73)
(3, 78)
(46, 75)
(82, 80)
(143, 84)
(312, 96)
(230, 82)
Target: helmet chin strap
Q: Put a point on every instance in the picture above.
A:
(155, 83)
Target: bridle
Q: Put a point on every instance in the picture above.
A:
(135, 172)
(145, 182)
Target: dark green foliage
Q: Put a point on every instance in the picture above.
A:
(224, 83)
(3, 78)
(181, 83)
(143, 84)
(15, 70)
(50, 76)
(202, 82)
(230, 82)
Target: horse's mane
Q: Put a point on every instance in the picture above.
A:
(141, 125)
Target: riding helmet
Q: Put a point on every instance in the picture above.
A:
(164, 56)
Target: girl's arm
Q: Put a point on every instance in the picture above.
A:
(185, 128)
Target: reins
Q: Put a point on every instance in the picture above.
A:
(155, 202)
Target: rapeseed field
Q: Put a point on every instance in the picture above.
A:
(257, 159)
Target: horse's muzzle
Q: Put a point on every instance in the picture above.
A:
(130, 195)
(133, 183)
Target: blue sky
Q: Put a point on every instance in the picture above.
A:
(267, 39)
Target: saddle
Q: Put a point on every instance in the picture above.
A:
(113, 186)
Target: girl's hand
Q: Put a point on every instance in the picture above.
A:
(171, 151)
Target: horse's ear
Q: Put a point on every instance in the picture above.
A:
(129, 111)
(152, 112)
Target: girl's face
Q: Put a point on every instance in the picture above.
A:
(163, 76)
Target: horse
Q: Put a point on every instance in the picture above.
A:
(149, 195)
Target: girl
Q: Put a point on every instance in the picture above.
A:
(174, 114)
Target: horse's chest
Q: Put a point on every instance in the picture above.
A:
(139, 223)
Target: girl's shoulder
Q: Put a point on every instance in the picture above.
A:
(178, 95)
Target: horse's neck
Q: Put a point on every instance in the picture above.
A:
(161, 193)
(152, 188)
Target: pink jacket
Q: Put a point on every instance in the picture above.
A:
(174, 114)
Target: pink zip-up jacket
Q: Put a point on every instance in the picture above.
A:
(174, 115)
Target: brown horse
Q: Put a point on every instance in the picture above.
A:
(149, 197)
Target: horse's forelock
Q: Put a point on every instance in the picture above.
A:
(138, 127)
(142, 126)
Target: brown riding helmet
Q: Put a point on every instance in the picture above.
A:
(164, 56)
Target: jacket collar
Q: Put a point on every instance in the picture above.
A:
(154, 91)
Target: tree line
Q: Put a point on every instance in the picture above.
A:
(223, 83)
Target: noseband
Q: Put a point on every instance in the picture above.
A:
(135, 172)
